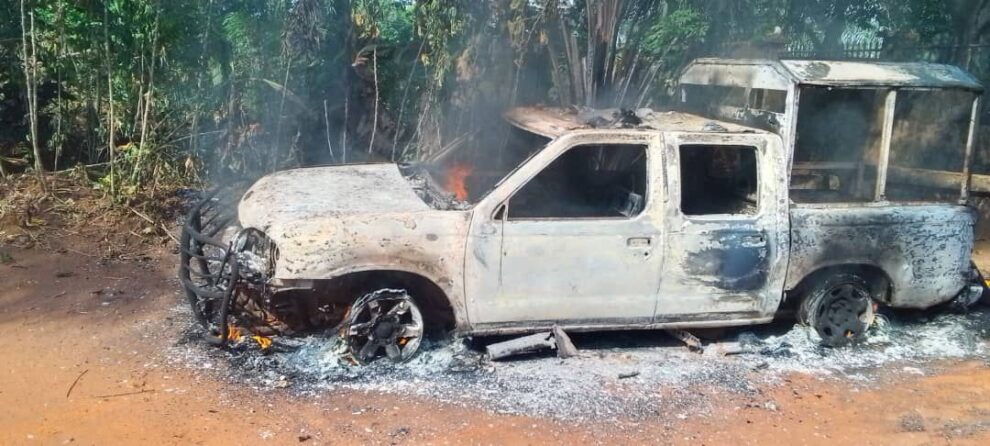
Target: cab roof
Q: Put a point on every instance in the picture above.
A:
(553, 122)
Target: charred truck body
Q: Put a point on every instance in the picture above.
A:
(809, 186)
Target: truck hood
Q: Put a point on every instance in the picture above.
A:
(321, 192)
(326, 220)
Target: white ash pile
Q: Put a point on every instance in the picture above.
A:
(625, 375)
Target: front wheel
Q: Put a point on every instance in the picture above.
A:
(384, 323)
(839, 308)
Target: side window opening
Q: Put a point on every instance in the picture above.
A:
(587, 181)
(718, 180)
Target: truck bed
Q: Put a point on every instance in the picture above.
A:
(923, 249)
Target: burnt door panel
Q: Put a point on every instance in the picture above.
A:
(581, 239)
(727, 228)
(715, 270)
(596, 272)
(734, 260)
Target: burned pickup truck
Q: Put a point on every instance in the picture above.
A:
(745, 206)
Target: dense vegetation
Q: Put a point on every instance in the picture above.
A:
(152, 91)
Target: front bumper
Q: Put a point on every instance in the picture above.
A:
(223, 276)
(204, 268)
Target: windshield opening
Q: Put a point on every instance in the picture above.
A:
(468, 172)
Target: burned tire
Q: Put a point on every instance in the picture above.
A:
(839, 308)
(385, 323)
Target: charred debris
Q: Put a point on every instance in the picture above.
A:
(430, 192)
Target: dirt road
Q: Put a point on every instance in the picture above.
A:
(85, 347)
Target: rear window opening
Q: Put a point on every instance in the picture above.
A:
(718, 180)
(588, 181)
(758, 107)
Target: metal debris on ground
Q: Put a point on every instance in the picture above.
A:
(524, 345)
(693, 343)
(565, 348)
(719, 349)
(628, 375)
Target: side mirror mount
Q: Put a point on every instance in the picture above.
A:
(488, 227)
(499, 213)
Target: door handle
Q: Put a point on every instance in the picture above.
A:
(638, 242)
(756, 239)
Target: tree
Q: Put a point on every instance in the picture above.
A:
(152, 91)
(29, 58)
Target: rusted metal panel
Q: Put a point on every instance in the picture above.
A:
(788, 130)
(709, 320)
(549, 122)
(734, 260)
(313, 192)
(924, 249)
(577, 269)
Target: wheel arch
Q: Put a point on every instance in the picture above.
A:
(439, 310)
(881, 285)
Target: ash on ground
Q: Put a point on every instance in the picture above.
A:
(624, 375)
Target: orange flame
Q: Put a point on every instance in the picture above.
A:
(263, 341)
(456, 180)
(233, 333)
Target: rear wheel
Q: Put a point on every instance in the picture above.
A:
(839, 308)
(385, 323)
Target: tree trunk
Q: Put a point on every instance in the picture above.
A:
(603, 25)
(148, 99)
(110, 126)
(374, 122)
(30, 59)
(194, 126)
(60, 52)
